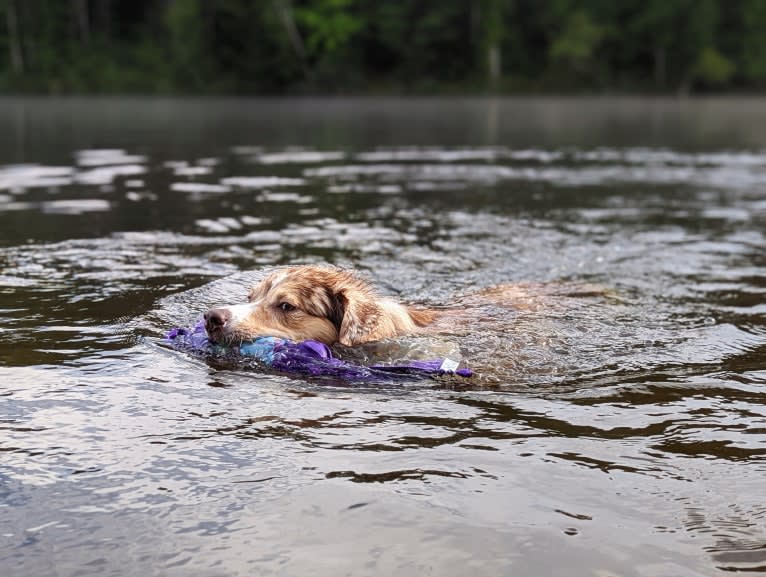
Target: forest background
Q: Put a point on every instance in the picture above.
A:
(267, 47)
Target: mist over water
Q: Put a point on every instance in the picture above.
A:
(615, 425)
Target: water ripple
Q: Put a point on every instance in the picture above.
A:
(618, 414)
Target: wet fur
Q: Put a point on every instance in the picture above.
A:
(320, 303)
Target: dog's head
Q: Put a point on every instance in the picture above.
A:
(308, 302)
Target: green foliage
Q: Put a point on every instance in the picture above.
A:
(754, 40)
(281, 46)
(577, 43)
(329, 25)
(712, 67)
(186, 39)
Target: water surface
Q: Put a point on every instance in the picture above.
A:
(616, 431)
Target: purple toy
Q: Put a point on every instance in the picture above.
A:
(309, 358)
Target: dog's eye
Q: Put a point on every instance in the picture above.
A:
(287, 307)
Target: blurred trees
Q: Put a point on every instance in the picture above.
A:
(328, 46)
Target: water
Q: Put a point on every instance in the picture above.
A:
(617, 425)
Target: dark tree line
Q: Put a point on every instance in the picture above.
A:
(370, 46)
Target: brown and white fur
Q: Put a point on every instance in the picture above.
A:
(320, 303)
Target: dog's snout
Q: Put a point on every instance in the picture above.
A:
(217, 318)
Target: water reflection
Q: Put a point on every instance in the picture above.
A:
(617, 426)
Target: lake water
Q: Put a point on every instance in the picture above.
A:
(615, 432)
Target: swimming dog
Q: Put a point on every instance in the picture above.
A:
(320, 303)
(333, 305)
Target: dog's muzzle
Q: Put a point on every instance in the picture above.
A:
(215, 323)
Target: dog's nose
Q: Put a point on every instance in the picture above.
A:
(217, 318)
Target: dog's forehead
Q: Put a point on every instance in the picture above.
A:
(269, 281)
(297, 282)
(302, 277)
(302, 280)
(277, 276)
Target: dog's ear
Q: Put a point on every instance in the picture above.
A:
(361, 317)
